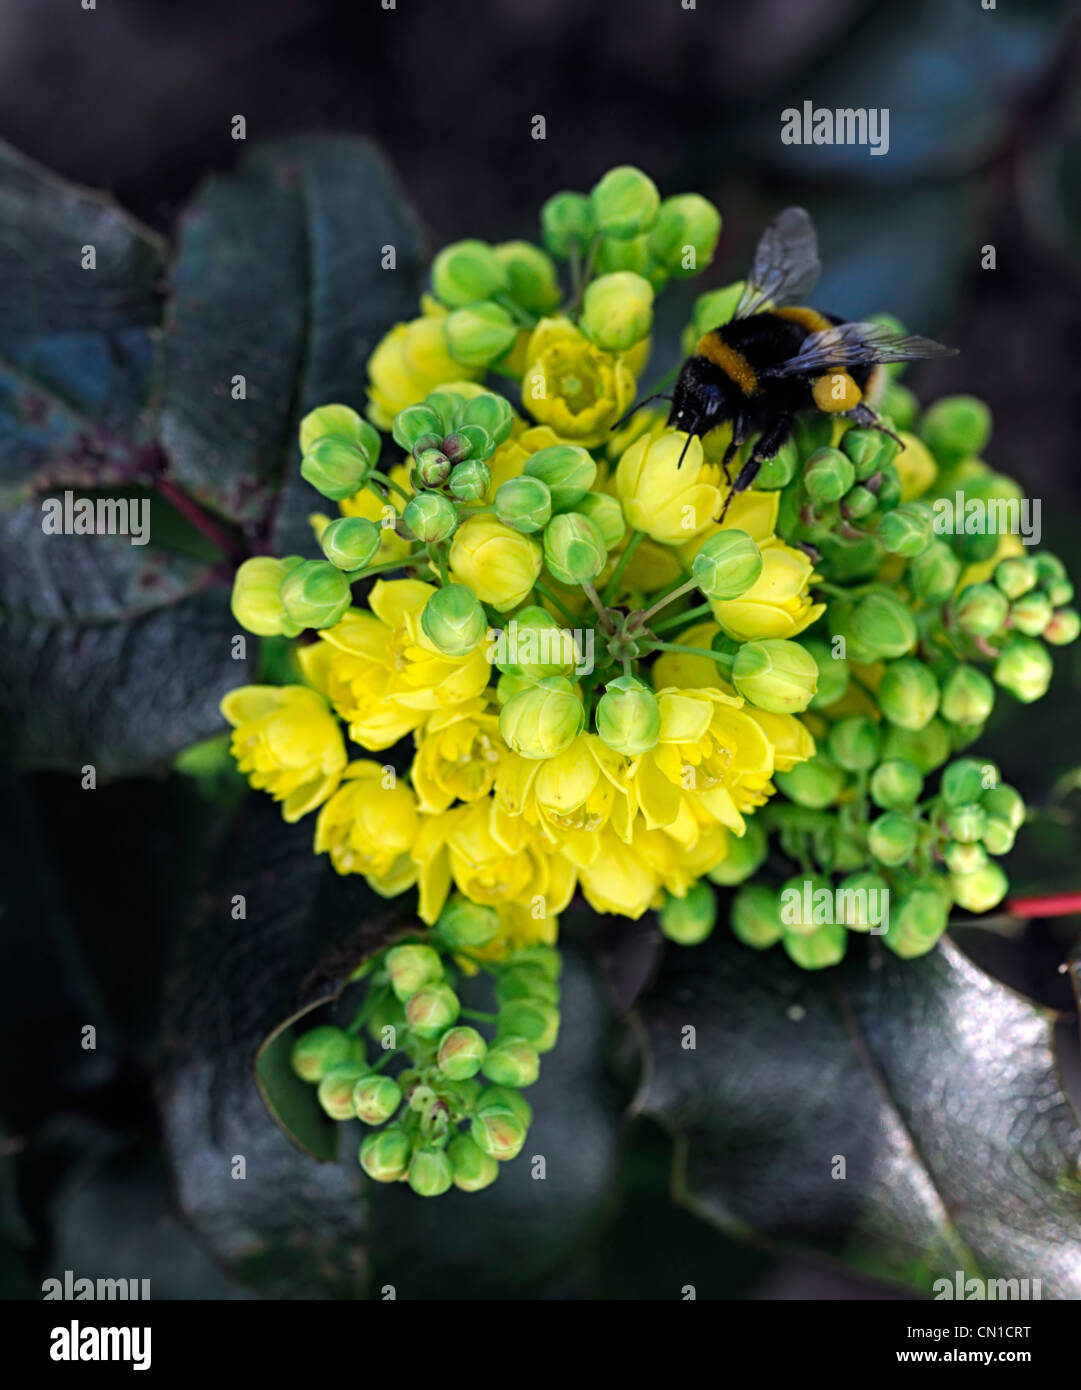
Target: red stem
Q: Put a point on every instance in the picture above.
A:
(199, 519)
(1045, 905)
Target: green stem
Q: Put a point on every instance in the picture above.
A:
(523, 316)
(377, 477)
(624, 560)
(677, 618)
(404, 563)
(676, 591)
(369, 1004)
(587, 271)
(547, 593)
(719, 657)
(594, 598)
(479, 1016)
(438, 553)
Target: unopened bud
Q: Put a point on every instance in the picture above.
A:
(628, 717)
(432, 1010)
(315, 594)
(430, 517)
(336, 467)
(892, 838)
(567, 470)
(469, 481)
(467, 271)
(776, 675)
(1024, 669)
(430, 1172)
(574, 548)
(410, 967)
(524, 503)
(726, 564)
(511, 1061)
(376, 1098)
(690, 919)
(968, 697)
(624, 203)
(908, 693)
(385, 1156)
(319, 1050)
(461, 1052)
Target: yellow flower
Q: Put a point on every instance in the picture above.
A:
(368, 827)
(458, 756)
(711, 758)
(519, 926)
(287, 742)
(777, 604)
(407, 364)
(382, 674)
(669, 501)
(575, 387)
(619, 879)
(916, 466)
(492, 858)
(500, 565)
(569, 798)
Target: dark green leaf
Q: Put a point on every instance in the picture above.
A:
(935, 1084)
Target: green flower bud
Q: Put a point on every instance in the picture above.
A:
(433, 468)
(376, 1098)
(336, 467)
(614, 256)
(867, 450)
(411, 967)
(469, 481)
(566, 223)
(823, 947)
(542, 647)
(966, 823)
(854, 743)
(917, 922)
(907, 530)
(430, 1172)
(934, 573)
(511, 1061)
(981, 891)
(860, 898)
(471, 1167)
(415, 424)
(479, 333)
(689, 920)
(531, 275)
(684, 236)
(467, 271)
(339, 422)
(858, 502)
(981, 609)
(956, 427)
(1060, 592)
(498, 1132)
(617, 311)
(964, 781)
(745, 855)
(545, 958)
(726, 565)
(524, 503)
(574, 548)
(335, 1093)
(833, 673)
(964, 858)
(896, 784)
(1003, 803)
(884, 626)
(467, 924)
(816, 783)
(568, 471)
(526, 982)
(453, 620)
(928, 747)
(998, 837)
(715, 307)
(606, 514)
(892, 838)
(797, 904)
(1049, 568)
(491, 413)
(350, 542)
(432, 1010)
(900, 405)
(319, 1050)
(536, 1020)
(755, 916)
(886, 486)
(385, 1156)
(430, 517)
(624, 203)
(968, 697)
(1016, 576)
(461, 1052)
(776, 675)
(908, 693)
(256, 601)
(543, 720)
(778, 471)
(1023, 668)
(388, 1014)
(1062, 628)
(628, 716)
(315, 594)
(827, 475)
(1030, 614)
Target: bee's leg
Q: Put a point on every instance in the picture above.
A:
(768, 443)
(862, 414)
(739, 434)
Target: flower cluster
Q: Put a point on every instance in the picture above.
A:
(590, 681)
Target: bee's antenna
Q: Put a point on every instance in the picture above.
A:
(686, 446)
(657, 396)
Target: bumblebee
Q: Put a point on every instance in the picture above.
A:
(777, 357)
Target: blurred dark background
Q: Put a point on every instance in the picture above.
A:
(137, 97)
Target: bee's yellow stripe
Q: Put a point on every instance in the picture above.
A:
(714, 349)
(811, 319)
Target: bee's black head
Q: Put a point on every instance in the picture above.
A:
(700, 398)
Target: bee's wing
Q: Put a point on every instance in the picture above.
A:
(786, 265)
(854, 345)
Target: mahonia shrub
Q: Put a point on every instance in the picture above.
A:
(601, 687)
